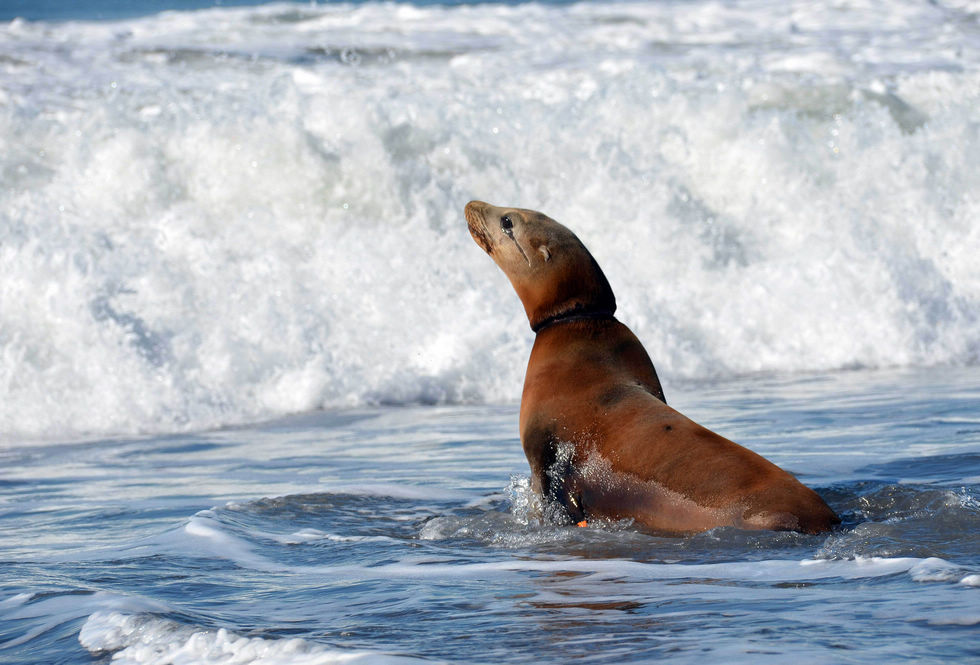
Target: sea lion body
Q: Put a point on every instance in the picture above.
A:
(590, 384)
(597, 432)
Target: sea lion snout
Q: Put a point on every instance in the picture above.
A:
(475, 208)
(475, 213)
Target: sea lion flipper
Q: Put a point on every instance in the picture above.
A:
(566, 496)
(564, 484)
(554, 474)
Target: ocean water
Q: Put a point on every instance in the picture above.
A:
(390, 535)
(258, 385)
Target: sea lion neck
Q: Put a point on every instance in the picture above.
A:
(572, 315)
(572, 286)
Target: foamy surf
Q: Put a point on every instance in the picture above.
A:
(145, 639)
(223, 216)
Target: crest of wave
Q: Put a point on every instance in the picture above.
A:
(195, 235)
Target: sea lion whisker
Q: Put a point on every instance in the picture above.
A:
(519, 248)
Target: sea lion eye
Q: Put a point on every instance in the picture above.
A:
(507, 226)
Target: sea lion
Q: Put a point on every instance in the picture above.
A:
(598, 434)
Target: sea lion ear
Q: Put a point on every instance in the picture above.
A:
(545, 252)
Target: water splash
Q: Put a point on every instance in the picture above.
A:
(222, 216)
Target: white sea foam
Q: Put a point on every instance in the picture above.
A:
(135, 639)
(220, 216)
(971, 580)
(934, 569)
(49, 613)
(313, 535)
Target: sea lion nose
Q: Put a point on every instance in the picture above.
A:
(475, 213)
(475, 208)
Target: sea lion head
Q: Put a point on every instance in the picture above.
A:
(551, 270)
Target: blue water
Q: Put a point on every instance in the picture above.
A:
(258, 385)
(53, 10)
(56, 10)
(406, 531)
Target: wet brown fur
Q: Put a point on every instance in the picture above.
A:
(596, 429)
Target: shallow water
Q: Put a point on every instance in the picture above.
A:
(407, 532)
